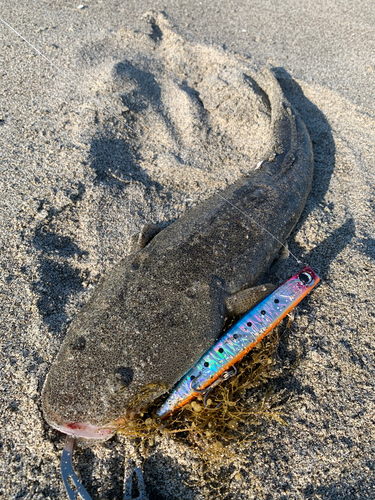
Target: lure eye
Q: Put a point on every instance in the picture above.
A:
(306, 278)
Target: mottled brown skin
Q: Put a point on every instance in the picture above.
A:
(162, 307)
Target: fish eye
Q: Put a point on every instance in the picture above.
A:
(306, 278)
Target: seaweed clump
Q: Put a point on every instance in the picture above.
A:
(234, 409)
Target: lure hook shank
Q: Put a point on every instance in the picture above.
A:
(225, 376)
(135, 473)
(79, 491)
(68, 473)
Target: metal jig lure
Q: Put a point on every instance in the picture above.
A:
(213, 366)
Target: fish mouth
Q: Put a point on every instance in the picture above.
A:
(86, 431)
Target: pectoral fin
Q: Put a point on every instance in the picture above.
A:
(280, 260)
(139, 241)
(243, 301)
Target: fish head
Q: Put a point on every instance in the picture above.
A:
(131, 342)
(89, 388)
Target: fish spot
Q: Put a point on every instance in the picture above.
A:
(125, 375)
(138, 260)
(78, 344)
(135, 264)
(192, 291)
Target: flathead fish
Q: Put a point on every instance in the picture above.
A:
(157, 311)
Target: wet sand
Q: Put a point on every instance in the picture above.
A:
(73, 193)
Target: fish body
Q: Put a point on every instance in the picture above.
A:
(240, 339)
(159, 310)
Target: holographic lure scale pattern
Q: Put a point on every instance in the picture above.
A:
(240, 339)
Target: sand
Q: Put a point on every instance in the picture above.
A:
(73, 193)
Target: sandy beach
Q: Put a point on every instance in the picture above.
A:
(74, 192)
